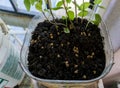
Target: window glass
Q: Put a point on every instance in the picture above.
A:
(18, 31)
(5, 3)
(21, 6)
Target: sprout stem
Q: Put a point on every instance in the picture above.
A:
(65, 8)
(82, 13)
(49, 5)
(91, 16)
(83, 10)
(67, 14)
(45, 15)
(75, 8)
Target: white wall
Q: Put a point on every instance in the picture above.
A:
(112, 20)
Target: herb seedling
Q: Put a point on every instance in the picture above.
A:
(81, 10)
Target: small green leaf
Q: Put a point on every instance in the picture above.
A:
(71, 14)
(59, 4)
(66, 30)
(68, 1)
(46, 10)
(63, 17)
(97, 1)
(97, 19)
(84, 6)
(83, 13)
(57, 8)
(94, 21)
(27, 4)
(32, 2)
(102, 7)
(68, 8)
(38, 5)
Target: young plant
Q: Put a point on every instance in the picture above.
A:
(81, 10)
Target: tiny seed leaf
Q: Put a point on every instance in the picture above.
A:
(66, 30)
(84, 6)
(38, 5)
(71, 15)
(32, 2)
(97, 1)
(83, 13)
(68, 1)
(97, 19)
(102, 7)
(63, 17)
(57, 8)
(46, 10)
(68, 8)
(59, 4)
(27, 4)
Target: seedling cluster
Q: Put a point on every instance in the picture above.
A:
(80, 10)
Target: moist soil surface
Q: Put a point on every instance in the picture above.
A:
(78, 55)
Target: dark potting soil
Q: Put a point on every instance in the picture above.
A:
(78, 55)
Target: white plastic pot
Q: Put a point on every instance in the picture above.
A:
(66, 83)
